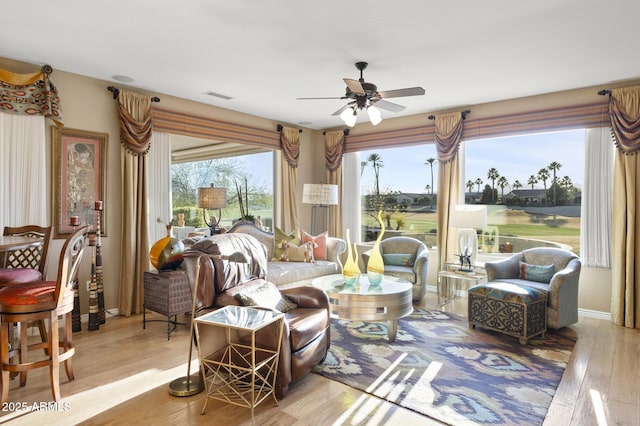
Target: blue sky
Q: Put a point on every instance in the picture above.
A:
(514, 157)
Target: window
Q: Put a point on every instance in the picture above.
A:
(253, 170)
(531, 185)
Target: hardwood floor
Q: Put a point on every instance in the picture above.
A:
(122, 375)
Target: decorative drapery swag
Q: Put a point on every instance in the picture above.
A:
(290, 141)
(30, 94)
(448, 133)
(334, 148)
(136, 122)
(624, 113)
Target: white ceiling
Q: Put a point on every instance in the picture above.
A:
(265, 54)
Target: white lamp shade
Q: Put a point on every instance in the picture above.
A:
(469, 216)
(320, 194)
(374, 115)
(349, 116)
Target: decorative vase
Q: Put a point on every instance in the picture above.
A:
(375, 266)
(167, 253)
(350, 270)
(181, 220)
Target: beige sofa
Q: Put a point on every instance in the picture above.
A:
(292, 274)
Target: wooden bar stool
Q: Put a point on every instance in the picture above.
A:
(36, 301)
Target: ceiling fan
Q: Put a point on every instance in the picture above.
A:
(365, 95)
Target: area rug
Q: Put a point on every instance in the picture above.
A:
(441, 368)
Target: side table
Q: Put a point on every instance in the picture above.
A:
(450, 280)
(167, 293)
(239, 355)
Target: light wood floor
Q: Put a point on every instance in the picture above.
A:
(122, 375)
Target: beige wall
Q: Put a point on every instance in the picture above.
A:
(88, 105)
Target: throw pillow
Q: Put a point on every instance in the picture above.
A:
(282, 240)
(266, 295)
(538, 273)
(320, 241)
(398, 259)
(301, 253)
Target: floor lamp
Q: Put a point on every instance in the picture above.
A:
(210, 198)
(322, 196)
(192, 384)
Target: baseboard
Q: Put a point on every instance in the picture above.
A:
(108, 313)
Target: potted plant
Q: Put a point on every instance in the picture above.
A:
(243, 202)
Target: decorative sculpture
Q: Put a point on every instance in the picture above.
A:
(375, 266)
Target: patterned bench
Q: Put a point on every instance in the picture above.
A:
(508, 308)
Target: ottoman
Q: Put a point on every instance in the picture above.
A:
(508, 308)
(167, 293)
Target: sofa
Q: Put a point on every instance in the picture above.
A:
(305, 339)
(406, 258)
(552, 270)
(286, 274)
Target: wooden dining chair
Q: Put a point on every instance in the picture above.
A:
(28, 264)
(35, 301)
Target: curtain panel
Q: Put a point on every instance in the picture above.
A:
(290, 144)
(448, 132)
(30, 94)
(624, 108)
(334, 150)
(135, 132)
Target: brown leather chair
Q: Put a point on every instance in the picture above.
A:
(305, 339)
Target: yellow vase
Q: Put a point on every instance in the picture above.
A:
(375, 266)
(350, 270)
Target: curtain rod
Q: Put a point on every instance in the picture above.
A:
(464, 115)
(280, 127)
(604, 92)
(344, 132)
(116, 91)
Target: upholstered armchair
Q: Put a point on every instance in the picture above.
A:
(406, 258)
(305, 340)
(528, 267)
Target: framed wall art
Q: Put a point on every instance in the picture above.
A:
(80, 164)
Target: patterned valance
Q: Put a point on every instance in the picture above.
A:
(448, 132)
(334, 149)
(136, 123)
(30, 94)
(290, 142)
(624, 113)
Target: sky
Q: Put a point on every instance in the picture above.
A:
(404, 169)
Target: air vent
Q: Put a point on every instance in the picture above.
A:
(218, 95)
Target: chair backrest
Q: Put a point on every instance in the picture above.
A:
(70, 257)
(32, 257)
(548, 255)
(400, 244)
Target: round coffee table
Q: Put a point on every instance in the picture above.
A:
(389, 301)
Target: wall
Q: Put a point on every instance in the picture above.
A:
(88, 105)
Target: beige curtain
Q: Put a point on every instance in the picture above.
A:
(334, 143)
(290, 143)
(135, 133)
(448, 133)
(624, 111)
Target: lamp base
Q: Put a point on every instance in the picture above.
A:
(186, 386)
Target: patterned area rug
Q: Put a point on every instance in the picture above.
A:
(441, 368)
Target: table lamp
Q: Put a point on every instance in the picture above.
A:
(210, 198)
(468, 218)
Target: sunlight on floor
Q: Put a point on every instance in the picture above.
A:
(92, 402)
(598, 407)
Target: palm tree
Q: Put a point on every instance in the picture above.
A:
(533, 179)
(502, 183)
(516, 185)
(479, 182)
(493, 174)
(554, 167)
(430, 162)
(376, 162)
(543, 175)
(363, 164)
(470, 185)
(566, 182)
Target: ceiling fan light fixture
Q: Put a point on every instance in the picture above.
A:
(349, 116)
(374, 115)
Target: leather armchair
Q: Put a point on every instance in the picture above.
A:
(306, 335)
(562, 289)
(416, 273)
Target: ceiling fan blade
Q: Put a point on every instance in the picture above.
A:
(302, 99)
(354, 86)
(398, 93)
(338, 112)
(389, 106)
